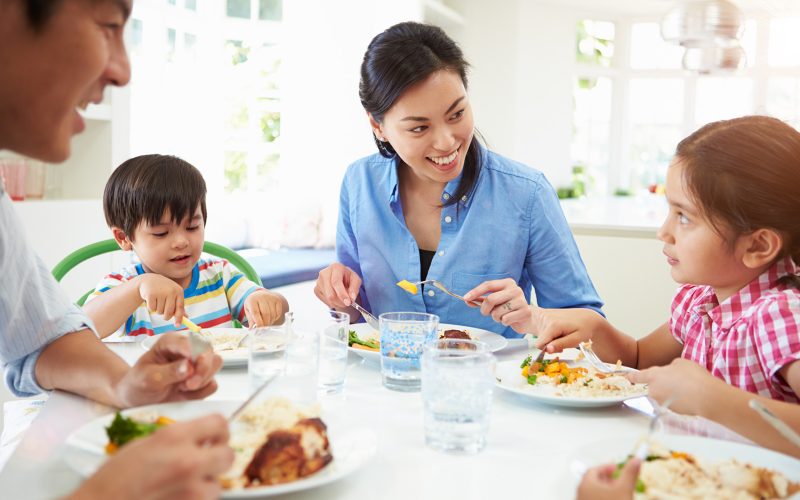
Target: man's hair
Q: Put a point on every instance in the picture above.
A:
(143, 188)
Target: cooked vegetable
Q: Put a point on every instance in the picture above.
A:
(369, 344)
(408, 286)
(526, 362)
(123, 430)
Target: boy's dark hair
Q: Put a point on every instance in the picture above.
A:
(143, 188)
(403, 55)
(39, 12)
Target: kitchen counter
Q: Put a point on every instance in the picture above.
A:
(631, 216)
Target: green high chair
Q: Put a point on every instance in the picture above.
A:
(108, 246)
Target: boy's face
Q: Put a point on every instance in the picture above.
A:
(49, 74)
(695, 252)
(170, 249)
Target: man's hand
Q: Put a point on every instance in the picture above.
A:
(166, 373)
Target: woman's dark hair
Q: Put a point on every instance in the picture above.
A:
(142, 188)
(403, 55)
(744, 174)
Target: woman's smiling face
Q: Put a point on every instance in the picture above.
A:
(430, 126)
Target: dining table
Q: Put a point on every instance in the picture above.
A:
(530, 451)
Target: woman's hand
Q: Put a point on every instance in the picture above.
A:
(163, 296)
(337, 286)
(182, 460)
(599, 483)
(264, 308)
(166, 373)
(686, 383)
(505, 303)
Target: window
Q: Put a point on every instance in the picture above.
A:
(238, 8)
(656, 103)
(270, 10)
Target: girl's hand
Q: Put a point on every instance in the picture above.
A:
(505, 303)
(337, 286)
(558, 329)
(687, 383)
(264, 308)
(599, 483)
(163, 296)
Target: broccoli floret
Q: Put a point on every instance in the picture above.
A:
(352, 338)
(532, 379)
(123, 430)
(526, 362)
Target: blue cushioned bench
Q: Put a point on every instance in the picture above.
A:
(286, 266)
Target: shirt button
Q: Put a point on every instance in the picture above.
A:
(446, 196)
(431, 293)
(448, 219)
(441, 252)
(464, 198)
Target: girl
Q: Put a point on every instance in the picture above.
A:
(434, 203)
(732, 237)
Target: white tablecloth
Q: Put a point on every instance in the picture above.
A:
(527, 456)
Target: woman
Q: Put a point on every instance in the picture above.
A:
(434, 203)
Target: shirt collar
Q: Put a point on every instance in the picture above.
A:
(449, 189)
(731, 309)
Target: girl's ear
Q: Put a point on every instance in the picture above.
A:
(376, 128)
(762, 247)
(122, 239)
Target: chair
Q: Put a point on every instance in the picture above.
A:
(107, 246)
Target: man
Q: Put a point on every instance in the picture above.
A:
(57, 56)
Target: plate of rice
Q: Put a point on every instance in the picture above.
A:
(225, 342)
(345, 449)
(694, 467)
(565, 382)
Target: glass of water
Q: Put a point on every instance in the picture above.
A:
(267, 353)
(299, 382)
(403, 335)
(457, 383)
(333, 351)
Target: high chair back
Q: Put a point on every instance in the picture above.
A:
(107, 246)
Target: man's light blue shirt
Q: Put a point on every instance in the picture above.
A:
(510, 226)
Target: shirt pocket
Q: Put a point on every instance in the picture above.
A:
(464, 282)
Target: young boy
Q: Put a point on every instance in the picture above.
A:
(155, 205)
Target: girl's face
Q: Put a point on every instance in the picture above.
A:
(430, 127)
(696, 253)
(171, 249)
(49, 75)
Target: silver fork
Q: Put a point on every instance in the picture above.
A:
(368, 317)
(438, 284)
(643, 447)
(595, 361)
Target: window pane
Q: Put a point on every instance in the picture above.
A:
(590, 137)
(191, 4)
(239, 8)
(748, 42)
(721, 98)
(650, 51)
(595, 42)
(171, 40)
(270, 10)
(783, 99)
(784, 42)
(656, 110)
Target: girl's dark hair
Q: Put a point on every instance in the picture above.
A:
(744, 174)
(403, 55)
(142, 188)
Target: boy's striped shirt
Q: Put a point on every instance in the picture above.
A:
(214, 298)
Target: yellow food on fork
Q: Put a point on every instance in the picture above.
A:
(408, 286)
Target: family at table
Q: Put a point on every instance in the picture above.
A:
(433, 202)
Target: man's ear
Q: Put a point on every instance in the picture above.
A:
(762, 247)
(122, 239)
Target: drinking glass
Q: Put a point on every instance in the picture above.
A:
(299, 382)
(403, 335)
(457, 383)
(13, 171)
(333, 351)
(267, 353)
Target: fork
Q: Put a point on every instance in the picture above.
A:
(595, 361)
(368, 317)
(643, 447)
(438, 284)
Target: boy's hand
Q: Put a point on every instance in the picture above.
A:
(264, 308)
(599, 483)
(163, 296)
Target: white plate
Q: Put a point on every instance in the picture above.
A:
(230, 357)
(509, 378)
(351, 448)
(493, 341)
(706, 449)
